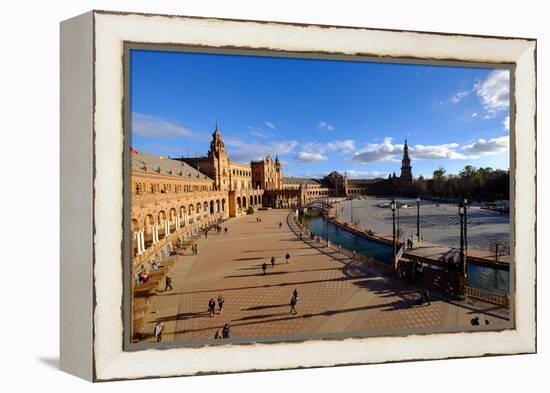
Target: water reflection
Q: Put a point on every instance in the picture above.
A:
(481, 277)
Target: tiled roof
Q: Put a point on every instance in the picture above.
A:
(299, 180)
(167, 166)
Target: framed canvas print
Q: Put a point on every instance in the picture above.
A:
(245, 195)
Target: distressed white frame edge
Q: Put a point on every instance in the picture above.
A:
(111, 30)
(76, 193)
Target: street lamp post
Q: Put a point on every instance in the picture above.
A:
(462, 257)
(398, 220)
(418, 219)
(351, 210)
(466, 224)
(392, 205)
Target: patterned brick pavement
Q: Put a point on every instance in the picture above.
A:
(335, 294)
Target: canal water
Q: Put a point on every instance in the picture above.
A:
(481, 277)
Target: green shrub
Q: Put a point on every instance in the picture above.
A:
(250, 210)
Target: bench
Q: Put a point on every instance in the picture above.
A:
(145, 288)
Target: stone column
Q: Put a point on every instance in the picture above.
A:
(138, 241)
(154, 233)
(142, 239)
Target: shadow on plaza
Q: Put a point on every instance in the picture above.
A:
(276, 249)
(256, 308)
(285, 316)
(183, 316)
(267, 273)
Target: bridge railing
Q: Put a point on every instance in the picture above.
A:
(489, 297)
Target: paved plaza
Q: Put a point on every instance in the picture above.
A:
(439, 223)
(335, 294)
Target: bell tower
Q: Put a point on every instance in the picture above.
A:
(220, 160)
(406, 169)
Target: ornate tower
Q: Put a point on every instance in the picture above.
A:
(278, 174)
(406, 169)
(220, 160)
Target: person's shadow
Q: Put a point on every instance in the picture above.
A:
(52, 362)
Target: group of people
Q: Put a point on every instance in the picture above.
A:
(258, 219)
(159, 329)
(264, 265)
(410, 270)
(452, 265)
(224, 333)
(423, 298)
(143, 275)
(195, 249)
(475, 321)
(212, 305)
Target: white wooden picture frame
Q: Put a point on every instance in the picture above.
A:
(92, 178)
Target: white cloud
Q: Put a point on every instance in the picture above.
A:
(474, 114)
(324, 126)
(344, 146)
(353, 174)
(459, 96)
(270, 125)
(494, 92)
(310, 157)
(488, 147)
(388, 151)
(240, 150)
(378, 151)
(444, 151)
(314, 151)
(506, 123)
(151, 126)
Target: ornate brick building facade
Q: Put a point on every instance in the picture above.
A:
(173, 199)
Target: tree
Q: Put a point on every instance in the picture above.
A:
(439, 181)
(420, 185)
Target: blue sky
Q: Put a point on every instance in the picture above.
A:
(321, 115)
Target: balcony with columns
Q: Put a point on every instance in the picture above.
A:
(144, 246)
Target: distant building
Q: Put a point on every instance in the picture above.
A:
(172, 199)
(336, 184)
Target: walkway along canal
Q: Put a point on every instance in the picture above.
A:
(493, 279)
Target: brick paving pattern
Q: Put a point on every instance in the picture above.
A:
(335, 293)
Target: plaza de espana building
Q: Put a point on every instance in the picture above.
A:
(172, 199)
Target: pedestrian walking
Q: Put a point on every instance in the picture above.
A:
(295, 293)
(225, 230)
(159, 328)
(211, 306)
(272, 261)
(167, 283)
(293, 303)
(196, 249)
(225, 331)
(264, 267)
(353, 254)
(427, 297)
(300, 235)
(287, 257)
(206, 234)
(280, 224)
(217, 335)
(221, 301)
